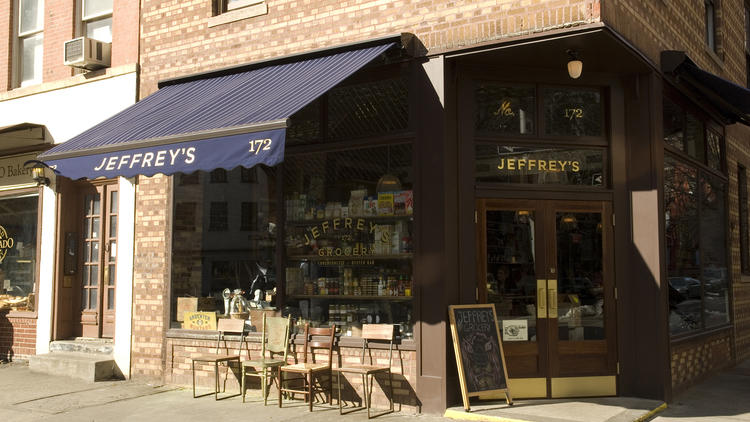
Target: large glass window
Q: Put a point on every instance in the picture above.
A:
(349, 237)
(214, 248)
(695, 227)
(744, 215)
(30, 41)
(97, 19)
(18, 240)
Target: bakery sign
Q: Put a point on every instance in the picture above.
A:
(6, 243)
(12, 171)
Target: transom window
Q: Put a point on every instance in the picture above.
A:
(513, 110)
(97, 19)
(30, 41)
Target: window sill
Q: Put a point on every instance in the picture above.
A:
(684, 338)
(718, 59)
(258, 9)
(254, 337)
(18, 314)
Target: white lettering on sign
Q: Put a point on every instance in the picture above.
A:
(258, 145)
(142, 160)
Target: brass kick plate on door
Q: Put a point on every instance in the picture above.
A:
(552, 297)
(541, 298)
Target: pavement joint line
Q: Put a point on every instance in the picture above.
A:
(468, 416)
(58, 412)
(652, 412)
(58, 395)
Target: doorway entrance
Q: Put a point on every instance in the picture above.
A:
(548, 268)
(98, 246)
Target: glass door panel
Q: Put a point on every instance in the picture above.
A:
(509, 261)
(580, 280)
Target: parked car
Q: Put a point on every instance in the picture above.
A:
(688, 287)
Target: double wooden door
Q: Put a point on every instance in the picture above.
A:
(98, 258)
(547, 267)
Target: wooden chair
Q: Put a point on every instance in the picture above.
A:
(308, 371)
(370, 332)
(224, 326)
(276, 342)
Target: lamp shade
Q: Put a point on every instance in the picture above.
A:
(388, 183)
(575, 67)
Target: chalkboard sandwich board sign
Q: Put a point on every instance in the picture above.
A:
(479, 351)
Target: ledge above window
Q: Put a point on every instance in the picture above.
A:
(239, 10)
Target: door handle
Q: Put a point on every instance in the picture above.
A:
(552, 297)
(541, 299)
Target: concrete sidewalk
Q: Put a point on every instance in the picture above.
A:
(29, 396)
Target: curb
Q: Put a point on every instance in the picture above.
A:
(467, 416)
(653, 412)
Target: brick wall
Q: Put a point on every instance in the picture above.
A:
(58, 28)
(150, 278)
(692, 361)
(17, 337)
(403, 367)
(653, 26)
(738, 139)
(125, 32)
(176, 39)
(60, 20)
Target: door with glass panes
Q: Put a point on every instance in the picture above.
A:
(547, 267)
(98, 247)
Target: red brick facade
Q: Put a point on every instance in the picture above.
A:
(176, 40)
(17, 337)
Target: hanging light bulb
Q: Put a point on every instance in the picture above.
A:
(575, 65)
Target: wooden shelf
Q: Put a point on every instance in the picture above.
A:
(368, 218)
(349, 297)
(349, 257)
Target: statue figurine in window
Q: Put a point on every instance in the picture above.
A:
(263, 284)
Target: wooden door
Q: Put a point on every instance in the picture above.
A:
(99, 254)
(546, 265)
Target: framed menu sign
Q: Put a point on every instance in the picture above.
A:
(479, 351)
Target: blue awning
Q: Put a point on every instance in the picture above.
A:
(728, 99)
(207, 122)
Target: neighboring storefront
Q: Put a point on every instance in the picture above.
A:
(20, 213)
(402, 184)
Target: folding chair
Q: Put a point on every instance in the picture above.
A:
(370, 332)
(309, 370)
(276, 342)
(224, 326)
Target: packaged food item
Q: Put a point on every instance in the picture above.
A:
(385, 203)
(408, 202)
(356, 201)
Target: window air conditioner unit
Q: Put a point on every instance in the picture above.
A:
(87, 53)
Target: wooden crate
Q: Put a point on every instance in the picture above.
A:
(194, 304)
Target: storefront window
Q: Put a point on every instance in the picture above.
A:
(216, 245)
(696, 247)
(573, 112)
(355, 110)
(539, 165)
(18, 239)
(690, 134)
(349, 237)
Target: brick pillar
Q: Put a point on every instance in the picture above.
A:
(151, 277)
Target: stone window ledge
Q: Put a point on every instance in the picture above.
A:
(258, 9)
(254, 337)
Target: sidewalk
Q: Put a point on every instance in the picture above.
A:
(29, 396)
